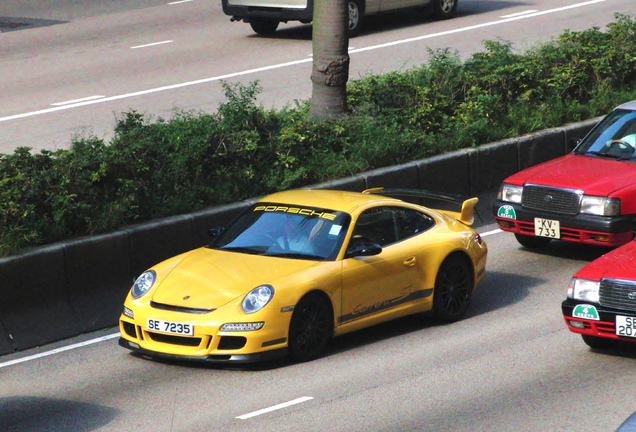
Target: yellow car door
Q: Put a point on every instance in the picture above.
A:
(377, 284)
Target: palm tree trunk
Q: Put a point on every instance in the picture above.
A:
(330, 71)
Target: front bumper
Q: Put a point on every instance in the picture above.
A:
(212, 358)
(208, 343)
(604, 327)
(283, 14)
(581, 228)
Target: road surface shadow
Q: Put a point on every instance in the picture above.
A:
(8, 24)
(31, 414)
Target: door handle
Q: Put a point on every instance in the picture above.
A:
(410, 262)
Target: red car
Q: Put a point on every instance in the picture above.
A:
(601, 299)
(587, 196)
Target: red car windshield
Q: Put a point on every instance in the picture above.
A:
(614, 137)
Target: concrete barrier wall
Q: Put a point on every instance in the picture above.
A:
(74, 287)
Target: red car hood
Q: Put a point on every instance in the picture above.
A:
(594, 176)
(617, 264)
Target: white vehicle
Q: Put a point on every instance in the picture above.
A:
(265, 15)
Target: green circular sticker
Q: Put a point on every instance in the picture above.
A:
(507, 212)
(585, 312)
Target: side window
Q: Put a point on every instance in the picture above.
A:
(376, 225)
(412, 222)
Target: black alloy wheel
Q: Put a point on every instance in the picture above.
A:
(453, 289)
(311, 327)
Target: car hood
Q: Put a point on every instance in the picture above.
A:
(592, 175)
(620, 263)
(208, 279)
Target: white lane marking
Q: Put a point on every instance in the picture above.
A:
(519, 13)
(487, 233)
(275, 407)
(283, 65)
(179, 2)
(154, 90)
(58, 350)
(477, 26)
(152, 44)
(89, 98)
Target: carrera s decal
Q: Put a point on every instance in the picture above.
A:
(364, 310)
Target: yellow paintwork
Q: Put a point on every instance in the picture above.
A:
(214, 279)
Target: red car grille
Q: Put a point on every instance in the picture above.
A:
(618, 294)
(551, 199)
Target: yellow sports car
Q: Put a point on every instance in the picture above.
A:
(302, 266)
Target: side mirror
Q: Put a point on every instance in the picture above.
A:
(214, 232)
(365, 249)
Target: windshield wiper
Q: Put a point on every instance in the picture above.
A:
(247, 250)
(296, 255)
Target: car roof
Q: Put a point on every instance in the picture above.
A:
(628, 105)
(344, 201)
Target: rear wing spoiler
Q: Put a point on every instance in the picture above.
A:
(466, 215)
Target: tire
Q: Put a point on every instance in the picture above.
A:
(532, 242)
(355, 14)
(444, 9)
(264, 26)
(598, 343)
(453, 289)
(311, 327)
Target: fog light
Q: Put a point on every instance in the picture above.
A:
(601, 238)
(505, 223)
(229, 327)
(129, 313)
(577, 324)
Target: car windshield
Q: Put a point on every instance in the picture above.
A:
(614, 137)
(298, 232)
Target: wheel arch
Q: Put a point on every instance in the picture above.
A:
(327, 298)
(463, 255)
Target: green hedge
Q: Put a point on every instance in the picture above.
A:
(196, 160)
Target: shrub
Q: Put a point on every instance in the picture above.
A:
(152, 169)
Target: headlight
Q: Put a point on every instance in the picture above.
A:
(510, 193)
(601, 206)
(143, 283)
(584, 289)
(256, 299)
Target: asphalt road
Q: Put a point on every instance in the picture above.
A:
(71, 68)
(510, 365)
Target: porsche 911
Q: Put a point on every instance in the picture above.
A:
(300, 267)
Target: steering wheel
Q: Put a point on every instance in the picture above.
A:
(619, 142)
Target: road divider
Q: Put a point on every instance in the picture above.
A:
(74, 287)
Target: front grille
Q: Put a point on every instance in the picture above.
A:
(175, 340)
(551, 199)
(618, 294)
